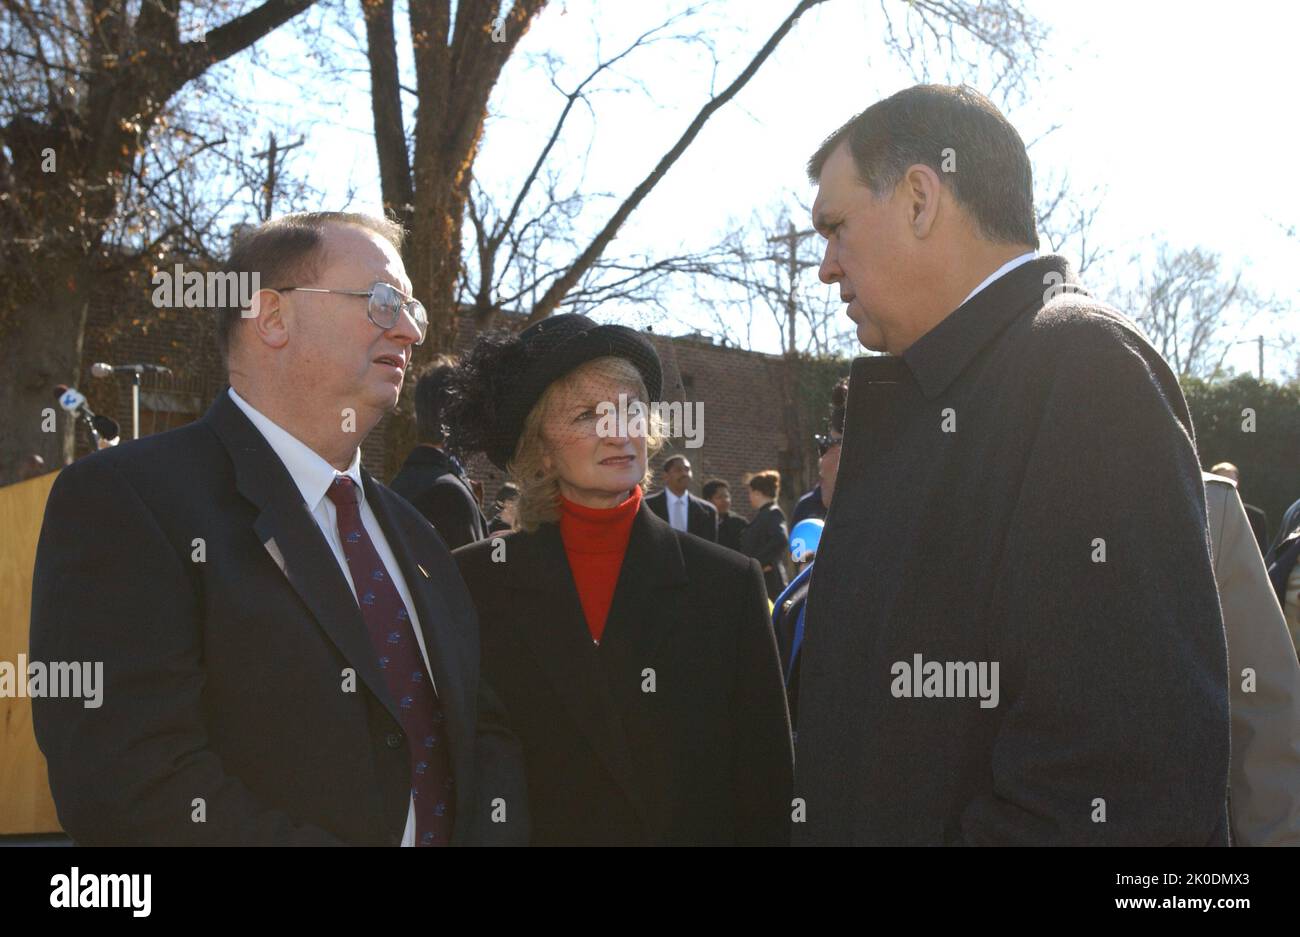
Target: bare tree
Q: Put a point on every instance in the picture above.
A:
(86, 87)
(1193, 311)
(1065, 223)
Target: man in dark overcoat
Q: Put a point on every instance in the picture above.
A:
(1013, 634)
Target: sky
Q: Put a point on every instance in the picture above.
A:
(1178, 115)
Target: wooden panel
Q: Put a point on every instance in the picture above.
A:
(25, 802)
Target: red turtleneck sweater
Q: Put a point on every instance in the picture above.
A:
(595, 540)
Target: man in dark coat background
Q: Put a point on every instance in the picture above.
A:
(681, 509)
(431, 478)
(1013, 634)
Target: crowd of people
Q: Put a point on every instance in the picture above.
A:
(1022, 614)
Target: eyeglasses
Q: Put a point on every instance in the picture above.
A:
(385, 307)
(825, 444)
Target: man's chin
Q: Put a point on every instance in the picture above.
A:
(870, 337)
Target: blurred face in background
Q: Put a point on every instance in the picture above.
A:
(722, 500)
(677, 476)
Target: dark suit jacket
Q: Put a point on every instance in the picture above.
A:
(428, 480)
(729, 529)
(225, 672)
(1056, 530)
(703, 759)
(767, 540)
(1258, 526)
(701, 516)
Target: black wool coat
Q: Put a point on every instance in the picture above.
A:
(766, 539)
(1020, 487)
(674, 729)
(431, 483)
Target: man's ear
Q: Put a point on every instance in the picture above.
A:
(268, 317)
(922, 192)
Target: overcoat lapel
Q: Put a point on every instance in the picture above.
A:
(558, 637)
(642, 612)
(309, 564)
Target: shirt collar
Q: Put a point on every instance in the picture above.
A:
(1000, 272)
(310, 472)
(941, 354)
(681, 497)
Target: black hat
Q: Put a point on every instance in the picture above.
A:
(500, 380)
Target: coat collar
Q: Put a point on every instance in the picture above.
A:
(426, 455)
(939, 356)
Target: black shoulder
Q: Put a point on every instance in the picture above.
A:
(706, 558)
(477, 556)
(161, 459)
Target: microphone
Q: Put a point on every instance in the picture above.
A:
(74, 402)
(71, 399)
(99, 369)
(106, 426)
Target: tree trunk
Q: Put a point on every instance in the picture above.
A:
(41, 350)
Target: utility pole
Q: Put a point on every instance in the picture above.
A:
(793, 265)
(1261, 359)
(270, 154)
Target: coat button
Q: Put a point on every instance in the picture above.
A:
(394, 740)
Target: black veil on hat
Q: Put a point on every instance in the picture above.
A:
(497, 384)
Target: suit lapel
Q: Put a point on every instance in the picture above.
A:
(308, 563)
(558, 636)
(641, 614)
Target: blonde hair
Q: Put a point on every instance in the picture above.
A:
(539, 488)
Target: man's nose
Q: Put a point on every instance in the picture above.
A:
(405, 330)
(829, 271)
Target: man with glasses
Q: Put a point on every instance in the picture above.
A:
(289, 654)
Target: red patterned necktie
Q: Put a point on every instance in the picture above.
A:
(393, 638)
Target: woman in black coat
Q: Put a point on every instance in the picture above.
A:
(766, 538)
(637, 663)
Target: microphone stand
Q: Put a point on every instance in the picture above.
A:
(135, 404)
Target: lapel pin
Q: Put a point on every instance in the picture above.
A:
(423, 572)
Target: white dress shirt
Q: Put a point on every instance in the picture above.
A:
(678, 506)
(313, 476)
(1001, 272)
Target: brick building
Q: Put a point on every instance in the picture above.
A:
(742, 427)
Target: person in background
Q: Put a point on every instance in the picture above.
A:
(432, 479)
(1264, 681)
(681, 509)
(637, 661)
(789, 607)
(503, 509)
(816, 502)
(1283, 565)
(718, 493)
(812, 503)
(766, 536)
(1258, 519)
